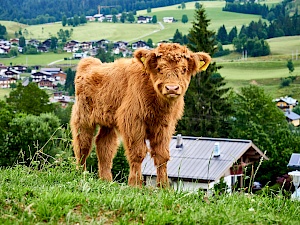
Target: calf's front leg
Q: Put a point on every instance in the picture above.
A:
(161, 156)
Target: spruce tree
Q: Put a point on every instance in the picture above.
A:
(206, 108)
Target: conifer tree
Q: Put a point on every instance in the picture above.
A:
(206, 107)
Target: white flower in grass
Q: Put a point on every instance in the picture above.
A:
(251, 210)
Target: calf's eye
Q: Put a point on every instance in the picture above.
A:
(158, 70)
(183, 70)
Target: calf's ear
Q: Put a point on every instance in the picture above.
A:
(199, 62)
(147, 57)
(141, 55)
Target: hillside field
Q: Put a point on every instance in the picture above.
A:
(133, 32)
(60, 194)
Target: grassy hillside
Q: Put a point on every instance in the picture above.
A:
(284, 45)
(12, 27)
(61, 195)
(133, 32)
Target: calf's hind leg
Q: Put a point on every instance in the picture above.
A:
(106, 147)
(82, 143)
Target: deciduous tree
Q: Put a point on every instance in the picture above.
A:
(29, 99)
(257, 118)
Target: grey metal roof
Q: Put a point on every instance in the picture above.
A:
(196, 161)
(288, 100)
(292, 115)
(294, 162)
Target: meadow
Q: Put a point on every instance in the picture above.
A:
(59, 194)
(133, 32)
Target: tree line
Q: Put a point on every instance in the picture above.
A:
(251, 38)
(284, 18)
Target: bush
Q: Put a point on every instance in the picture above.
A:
(27, 134)
(285, 82)
(222, 53)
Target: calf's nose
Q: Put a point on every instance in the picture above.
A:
(172, 87)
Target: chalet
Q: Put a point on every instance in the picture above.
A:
(139, 44)
(90, 18)
(14, 41)
(6, 81)
(20, 68)
(40, 75)
(122, 50)
(52, 71)
(120, 44)
(42, 48)
(286, 103)
(102, 43)
(72, 46)
(168, 19)
(11, 73)
(200, 162)
(99, 17)
(5, 43)
(108, 18)
(46, 84)
(34, 42)
(47, 43)
(292, 117)
(144, 19)
(84, 46)
(59, 78)
(2, 66)
(4, 49)
(63, 99)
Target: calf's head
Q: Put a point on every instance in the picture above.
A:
(170, 67)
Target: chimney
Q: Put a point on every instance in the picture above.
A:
(179, 143)
(216, 152)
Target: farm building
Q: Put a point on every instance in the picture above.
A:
(5, 82)
(168, 19)
(199, 162)
(286, 103)
(292, 117)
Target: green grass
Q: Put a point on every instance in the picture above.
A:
(214, 13)
(61, 195)
(39, 59)
(12, 27)
(4, 92)
(285, 45)
(250, 70)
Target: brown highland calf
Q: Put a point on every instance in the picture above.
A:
(139, 98)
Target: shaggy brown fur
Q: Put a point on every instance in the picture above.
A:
(140, 98)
